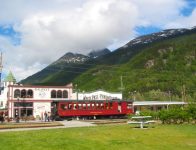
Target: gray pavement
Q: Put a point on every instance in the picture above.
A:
(67, 124)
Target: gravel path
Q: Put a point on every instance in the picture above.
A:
(67, 124)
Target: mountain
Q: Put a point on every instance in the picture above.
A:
(158, 66)
(156, 36)
(126, 52)
(70, 62)
(66, 62)
(98, 53)
(70, 58)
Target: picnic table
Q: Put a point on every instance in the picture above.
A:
(141, 120)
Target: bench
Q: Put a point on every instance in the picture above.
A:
(141, 121)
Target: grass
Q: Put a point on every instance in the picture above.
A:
(104, 137)
(29, 125)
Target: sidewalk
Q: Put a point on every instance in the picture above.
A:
(66, 124)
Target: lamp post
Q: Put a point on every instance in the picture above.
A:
(24, 108)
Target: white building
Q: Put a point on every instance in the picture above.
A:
(31, 100)
(98, 95)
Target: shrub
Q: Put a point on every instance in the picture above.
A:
(178, 114)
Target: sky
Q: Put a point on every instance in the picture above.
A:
(35, 33)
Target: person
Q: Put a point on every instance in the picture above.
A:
(1, 117)
(49, 115)
(42, 116)
(45, 116)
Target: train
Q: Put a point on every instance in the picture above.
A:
(92, 108)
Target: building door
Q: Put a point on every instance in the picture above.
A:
(24, 112)
(16, 113)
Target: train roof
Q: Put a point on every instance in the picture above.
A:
(86, 101)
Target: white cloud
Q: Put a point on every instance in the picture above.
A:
(50, 28)
(183, 22)
(158, 12)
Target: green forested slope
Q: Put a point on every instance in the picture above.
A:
(165, 70)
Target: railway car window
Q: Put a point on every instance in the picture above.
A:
(88, 106)
(79, 106)
(102, 106)
(65, 94)
(59, 94)
(53, 94)
(129, 107)
(70, 106)
(110, 106)
(93, 106)
(17, 93)
(84, 106)
(106, 106)
(23, 93)
(76, 106)
(96, 106)
(63, 106)
(99, 106)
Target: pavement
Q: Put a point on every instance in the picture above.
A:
(67, 124)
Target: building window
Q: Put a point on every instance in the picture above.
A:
(65, 94)
(17, 93)
(30, 94)
(23, 93)
(59, 94)
(23, 104)
(53, 94)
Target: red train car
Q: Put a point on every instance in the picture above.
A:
(94, 108)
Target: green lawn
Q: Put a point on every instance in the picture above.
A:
(108, 137)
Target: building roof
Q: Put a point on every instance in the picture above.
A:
(10, 78)
(100, 90)
(38, 86)
(150, 103)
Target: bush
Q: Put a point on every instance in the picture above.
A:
(178, 114)
(154, 114)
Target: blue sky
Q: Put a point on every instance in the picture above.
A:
(33, 34)
(191, 4)
(186, 11)
(11, 34)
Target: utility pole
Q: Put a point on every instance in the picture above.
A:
(169, 95)
(1, 67)
(121, 85)
(183, 93)
(76, 89)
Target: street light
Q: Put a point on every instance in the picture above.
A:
(17, 117)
